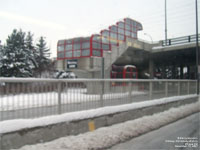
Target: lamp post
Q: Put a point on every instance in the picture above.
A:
(149, 36)
(197, 49)
(165, 22)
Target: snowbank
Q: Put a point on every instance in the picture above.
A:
(14, 125)
(109, 136)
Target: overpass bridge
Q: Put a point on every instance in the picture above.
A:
(175, 59)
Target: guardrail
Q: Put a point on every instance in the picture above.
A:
(32, 98)
(180, 40)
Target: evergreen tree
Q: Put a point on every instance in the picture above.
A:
(42, 55)
(16, 58)
(31, 49)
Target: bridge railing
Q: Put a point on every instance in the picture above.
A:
(180, 40)
(32, 98)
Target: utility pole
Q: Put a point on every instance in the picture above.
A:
(165, 22)
(197, 49)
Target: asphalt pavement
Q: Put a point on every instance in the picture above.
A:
(181, 135)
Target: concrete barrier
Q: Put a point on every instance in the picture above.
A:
(19, 138)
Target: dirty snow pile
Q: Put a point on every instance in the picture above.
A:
(108, 136)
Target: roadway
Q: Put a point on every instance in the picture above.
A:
(168, 137)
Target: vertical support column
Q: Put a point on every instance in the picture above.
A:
(188, 72)
(150, 89)
(173, 71)
(181, 72)
(166, 89)
(179, 88)
(163, 72)
(59, 97)
(151, 67)
(130, 91)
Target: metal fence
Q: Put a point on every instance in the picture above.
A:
(180, 40)
(32, 98)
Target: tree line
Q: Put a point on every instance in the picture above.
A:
(19, 57)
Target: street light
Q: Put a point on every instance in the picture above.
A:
(197, 49)
(149, 36)
(165, 22)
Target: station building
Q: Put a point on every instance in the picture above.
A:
(96, 44)
(88, 52)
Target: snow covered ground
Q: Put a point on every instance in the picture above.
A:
(109, 136)
(22, 101)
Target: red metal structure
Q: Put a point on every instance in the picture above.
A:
(127, 71)
(94, 45)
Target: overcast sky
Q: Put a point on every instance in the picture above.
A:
(61, 19)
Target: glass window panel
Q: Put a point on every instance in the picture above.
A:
(128, 21)
(128, 27)
(105, 33)
(121, 31)
(86, 39)
(127, 33)
(61, 42)
(96, 53)
(61, 55)
(85, 45)
(105, 47)
(97, 38)
(113, 42)
(61, 48)
(77, 46)
(105, 40)
(113, 35)
(77, 53)
(133, 35)
(113, 28)
(78, 40)
(69, 54)
(69, 41)
(134, 23)
(96, 45)
(121, 24)
(134, 29)
(86, 52)
(139, 27)
(120, 37)
(69, 47)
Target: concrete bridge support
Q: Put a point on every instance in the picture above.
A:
(151, 68)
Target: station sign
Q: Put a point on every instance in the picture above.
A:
(72, 64)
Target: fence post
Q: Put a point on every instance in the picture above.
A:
(102, 93)
(179, 88)
(166, 89)
(188, 87)
(59, 97)
(130, 91)
(189, 39)
(150, 89)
